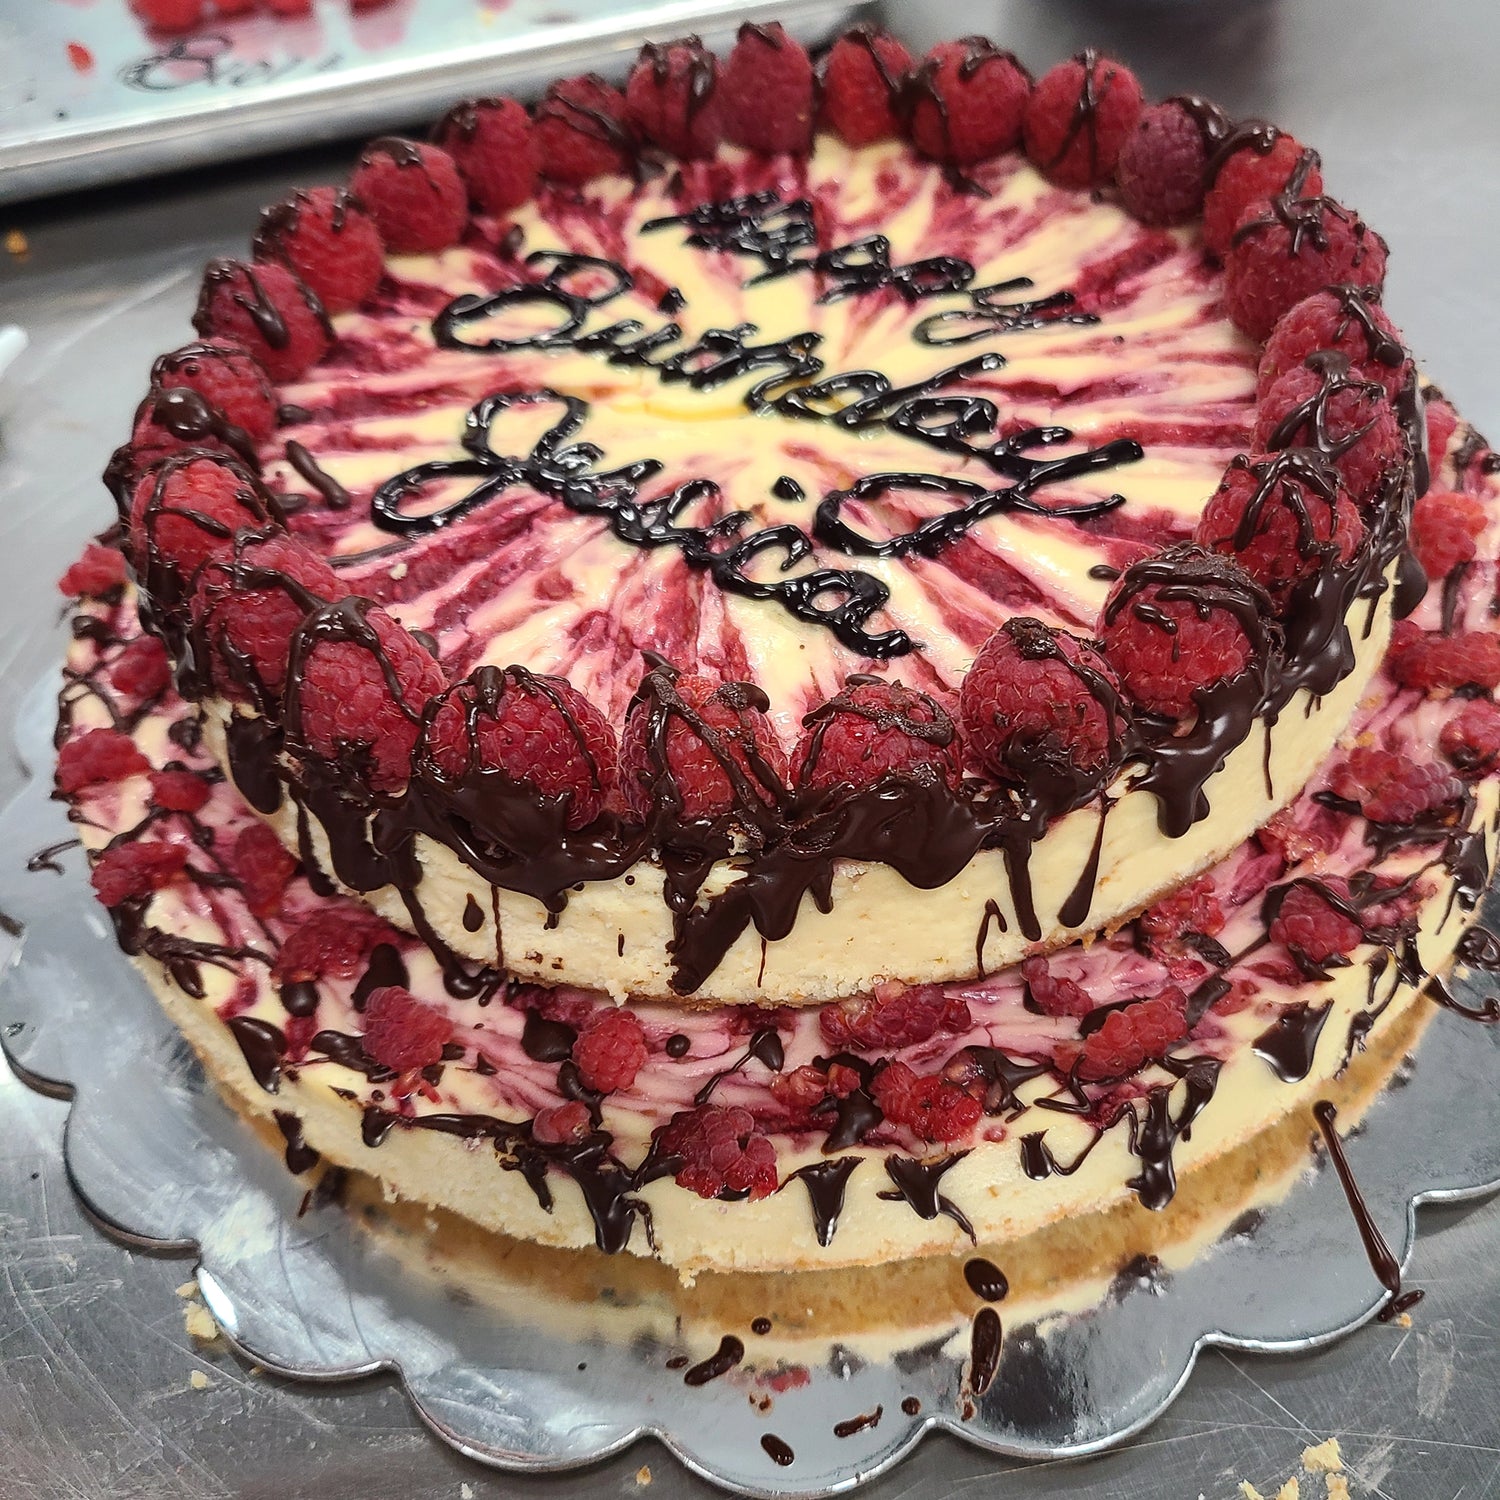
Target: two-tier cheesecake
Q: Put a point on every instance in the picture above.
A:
(790, 666)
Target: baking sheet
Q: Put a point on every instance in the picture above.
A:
(89, 94)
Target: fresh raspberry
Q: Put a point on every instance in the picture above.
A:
(539, 731)
(269, 311)
(264, 867)
(360, 698)
(1036, 695)
(228, 379)
(1349, 420)
(1300, 832)
(414, 194)
(250, 610)
(968, 102)
(863, 77)
(1175, 625)
(1280, 517)
(672, 100)
(871, 730)
(1471, 739)
(562, 1125)
(333, 942)
(1393, 788)
(1138, 1033)
(179, 791)
(1312, 926)
(1054, 994)
(170, 16)
(1465, 659)
(1347, 320)
(580, 131)
(1190, 908)
(1162, 166)
(1080, 115)
(893, 1015)
(189, 511)
(1252, 176)
(1442, 423)
(610, 1051)
(1285, 250)
(131, 872)
(98, 574)
(491, 143)
(766, 91)
(700, 750)
(800, 1090)
(720, 1151)
(1444, 527)
(96, 756)
(328, 240)
(142, 670)
(401, 1032)
(929, 1106)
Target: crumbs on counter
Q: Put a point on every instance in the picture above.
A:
(17, 244)
(1323, 1459)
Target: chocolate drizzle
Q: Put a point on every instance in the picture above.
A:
(1179, 765)
(852, 1425)
(917, 1186)
(300, 1157)
(1154, 1137)
(1289, 1042)
(1098, 80)
(779, 1452)
(263, 1046)
(333, 494)
(984, 1351)
(1383, 1263)
(986, 1280)
(826, 1182)
(729, 1353)
(252, 300)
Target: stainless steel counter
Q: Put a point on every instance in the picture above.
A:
(95, 1395)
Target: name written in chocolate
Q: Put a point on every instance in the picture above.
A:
(553, 311)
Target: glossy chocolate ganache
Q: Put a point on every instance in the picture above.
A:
(603, 603)
(830, 494)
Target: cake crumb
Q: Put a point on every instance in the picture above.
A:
(397, 573)
(1291, 1490)
(643, 1475)
(466, 1492)
(1249, 1492)
(1325, 1458)
(1403, 1320)
(198, 1380)
(17, 244)
(199, 1323)
(1338, 1487)
(188, 1291)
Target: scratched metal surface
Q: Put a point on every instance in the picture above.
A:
(95, 1398)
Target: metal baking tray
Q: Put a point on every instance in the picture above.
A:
(88, 95)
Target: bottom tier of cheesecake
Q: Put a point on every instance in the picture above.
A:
(902, 1124)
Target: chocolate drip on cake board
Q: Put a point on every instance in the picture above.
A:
(1383, 1262)
(729, 1353)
